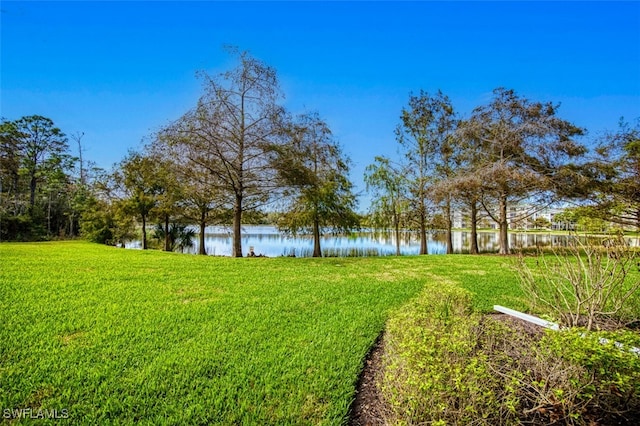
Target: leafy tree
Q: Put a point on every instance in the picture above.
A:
(35, 169)
(388, 186)
(101, 217)
(169, 191)
(202, 200)
(10, 164)
(615, 172)
(98, 222)
(426, 140)
(315, 171)
(541, 223)
(466, 186)
(229, 132)
(138, 178)
(44, 149)
(568, 218)
(525, 150)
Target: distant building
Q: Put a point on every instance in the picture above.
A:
(519, 216)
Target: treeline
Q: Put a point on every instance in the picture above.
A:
(43, 188)
(510, 152)
(238, 154)
(234, 153)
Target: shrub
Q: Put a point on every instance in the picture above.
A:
(445, 364)
(434, 371)
(607, 377)
(587, 283)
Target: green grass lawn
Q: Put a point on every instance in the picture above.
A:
(125, 336)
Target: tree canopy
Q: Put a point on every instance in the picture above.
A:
(36, 180)
(237, 154)
(313, 172)
(236, 120)
(614, 177)
(522, 147)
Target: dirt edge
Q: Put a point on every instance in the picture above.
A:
(365, 410)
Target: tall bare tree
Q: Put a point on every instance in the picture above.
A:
(426, 141)
(231, 129)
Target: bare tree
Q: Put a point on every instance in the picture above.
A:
(426, 140)
(233, 126)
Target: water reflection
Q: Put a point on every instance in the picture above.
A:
(267, 241)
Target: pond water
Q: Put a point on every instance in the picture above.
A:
(267, 241)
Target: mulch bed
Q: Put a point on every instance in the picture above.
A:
(368, 407)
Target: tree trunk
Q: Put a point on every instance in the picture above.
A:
(49, 214)
(423, 233)
(396, 224)
(316, 238)
(144, 232)
(166, 233)
(504, 226)
(237, 227)
(449, 226)
(203, 224)
(16, 200)
(72, 228)
(32, 188)
(474, 229)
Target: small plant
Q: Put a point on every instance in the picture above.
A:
(585, 283)
(180, 236)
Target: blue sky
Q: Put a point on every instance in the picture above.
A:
(117, 71)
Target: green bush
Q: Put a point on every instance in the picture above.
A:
(434, 370)
(445, 364)
(608, 373)
(20, 228)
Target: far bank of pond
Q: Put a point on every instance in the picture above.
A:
(268, 241)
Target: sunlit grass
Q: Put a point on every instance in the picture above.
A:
(126, 336)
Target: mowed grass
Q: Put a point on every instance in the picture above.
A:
(119, 336)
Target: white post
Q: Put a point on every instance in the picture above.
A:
(527, 317)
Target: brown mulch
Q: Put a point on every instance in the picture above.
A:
(367, 408)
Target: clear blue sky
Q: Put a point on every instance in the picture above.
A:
(117, 71)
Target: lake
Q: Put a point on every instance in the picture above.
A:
(267, 241)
